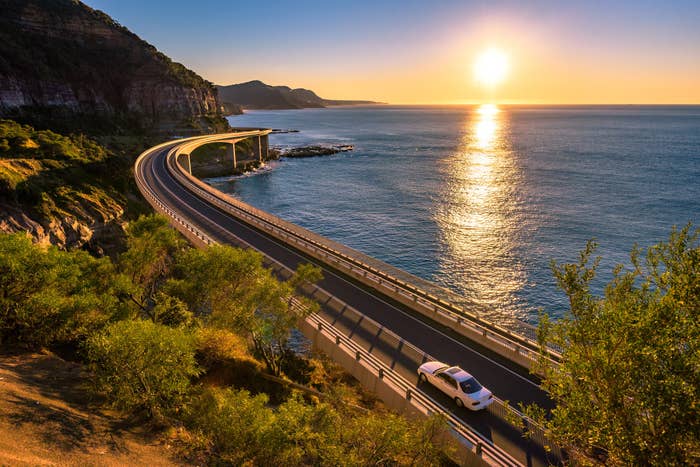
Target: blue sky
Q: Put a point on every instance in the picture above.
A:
(418, 51)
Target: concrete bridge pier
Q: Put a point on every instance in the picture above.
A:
(260, 147)
(231, 153)
(264, 147)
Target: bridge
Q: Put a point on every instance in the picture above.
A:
(379, 322)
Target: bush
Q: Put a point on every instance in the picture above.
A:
(244, 430)
(216, 346)
(141, 365)
(51, 296)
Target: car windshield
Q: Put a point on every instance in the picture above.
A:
(470, 385)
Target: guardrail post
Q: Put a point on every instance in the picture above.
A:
(337, 340)
(358, 355)
(479, 449)
(408, 394)
(320, 326)
(380, 373)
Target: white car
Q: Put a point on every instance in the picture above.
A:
(462, 387)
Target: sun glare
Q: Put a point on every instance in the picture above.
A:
(491, 67)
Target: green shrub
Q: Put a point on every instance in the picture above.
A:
(141, 365)
(244, 430)
(234, 421)
(51, 296)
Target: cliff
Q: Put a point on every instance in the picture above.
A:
(66, 66)
(258, 95)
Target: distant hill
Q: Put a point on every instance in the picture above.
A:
(67, 66)
(258, 95)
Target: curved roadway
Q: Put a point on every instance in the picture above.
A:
(505, 380)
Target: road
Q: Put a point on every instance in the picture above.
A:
(501, 376)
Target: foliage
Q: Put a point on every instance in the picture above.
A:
(245, 430)
(143, 365)
(49, 296)
(148, 262)
(234, 291)
(628, 389)
(215, 346)
(24, 142)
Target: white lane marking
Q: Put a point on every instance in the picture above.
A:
(275, 241)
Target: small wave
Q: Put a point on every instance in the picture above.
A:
(265, 168)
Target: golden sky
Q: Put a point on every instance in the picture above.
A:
(410, 51)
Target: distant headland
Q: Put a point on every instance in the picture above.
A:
(258, 95)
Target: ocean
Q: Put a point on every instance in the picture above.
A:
(481, 199)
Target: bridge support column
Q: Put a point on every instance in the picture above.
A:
(231, 154)
(264, 147)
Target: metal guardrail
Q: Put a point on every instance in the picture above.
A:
(475, 441)
(303, 239)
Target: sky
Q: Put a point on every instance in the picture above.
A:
(423, 52)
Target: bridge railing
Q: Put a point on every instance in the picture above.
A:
(521, 349)
(476, 442)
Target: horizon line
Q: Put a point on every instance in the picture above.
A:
(455, 104)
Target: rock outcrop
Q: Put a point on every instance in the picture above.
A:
(66, 66)
(95, 231)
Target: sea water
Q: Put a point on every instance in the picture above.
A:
(481, 199)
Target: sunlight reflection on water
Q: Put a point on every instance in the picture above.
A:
(478, 216)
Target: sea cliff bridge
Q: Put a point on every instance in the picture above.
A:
(377, 321)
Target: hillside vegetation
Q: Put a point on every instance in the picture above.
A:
(184, 338)
(70, 191)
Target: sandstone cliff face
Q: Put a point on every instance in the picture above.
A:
(94, 232)
(62, 59)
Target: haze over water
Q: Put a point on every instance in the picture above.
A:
(480, 200)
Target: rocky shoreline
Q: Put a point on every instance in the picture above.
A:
(313, 151)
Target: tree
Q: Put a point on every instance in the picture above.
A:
(232, 289)
(627, 391)
(275, 317)
(147, 263)
(142, 365)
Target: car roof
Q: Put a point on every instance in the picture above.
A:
(458, 373)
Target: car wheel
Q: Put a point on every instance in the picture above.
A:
(459, 402)
(423, 378)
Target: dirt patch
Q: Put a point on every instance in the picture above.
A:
(49, 417)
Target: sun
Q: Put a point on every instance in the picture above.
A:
(491, 67)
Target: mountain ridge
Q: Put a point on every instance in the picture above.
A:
(62, 60)
(256, 94)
